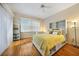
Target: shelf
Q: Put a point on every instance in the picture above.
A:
(15, 28)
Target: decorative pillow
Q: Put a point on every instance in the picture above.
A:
(57, 32)
(54, 33)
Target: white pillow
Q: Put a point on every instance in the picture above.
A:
(54, 33)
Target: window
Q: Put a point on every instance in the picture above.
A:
(29, 25)
(26, 25)
(35, 26)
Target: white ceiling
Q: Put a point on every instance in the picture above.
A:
(33, 9)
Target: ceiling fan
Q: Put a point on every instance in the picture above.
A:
(44, 7)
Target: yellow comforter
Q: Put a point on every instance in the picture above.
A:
(48, 41)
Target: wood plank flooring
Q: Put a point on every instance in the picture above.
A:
(26, 48)
(19, 48)
(67, 50)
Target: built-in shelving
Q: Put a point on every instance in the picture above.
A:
(16, 32)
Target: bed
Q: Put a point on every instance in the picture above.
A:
(48, 44)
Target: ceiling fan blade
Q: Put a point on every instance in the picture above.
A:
(45, 6)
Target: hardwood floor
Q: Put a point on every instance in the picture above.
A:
(35, 52)
(67, 50)
(19, 48)
(26, 48)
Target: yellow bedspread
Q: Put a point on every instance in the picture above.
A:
(48, 41)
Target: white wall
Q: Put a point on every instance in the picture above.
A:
(9, 29)
(69, 14)
(6, 29)
(63, 15)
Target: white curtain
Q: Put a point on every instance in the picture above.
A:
(0, 32)
(6, 34)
